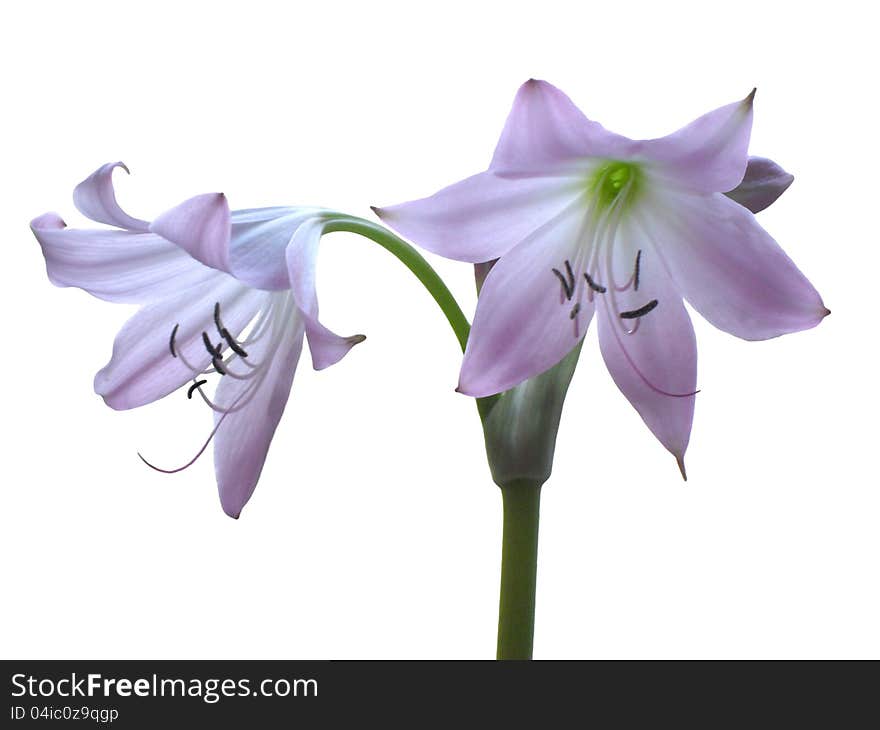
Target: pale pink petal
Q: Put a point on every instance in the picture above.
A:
(200, 226)
(729, 268)
(545, 129)
(143, 368)
(710, 154)
(244, 436)
(259, 243)
(763, 183)
(120, 266)
(482, 217)
(524, 323)
(655, 366)
(327, 348)
(94, 197)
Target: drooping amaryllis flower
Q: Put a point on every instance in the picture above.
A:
(230, 294)
(583, 220)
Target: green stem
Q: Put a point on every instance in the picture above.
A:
(416, 263)
(423, 271)
(519, 568)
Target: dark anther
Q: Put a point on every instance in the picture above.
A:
(636, 272)
(217, 323)
(574, 311)
(171, 341)
(233, 345)
(215, 353)
(212, 351)
(567, 281)
(224, 333)
(192, 388)
(640, 312)
(218, 364)
(593, 285)
(564, 283)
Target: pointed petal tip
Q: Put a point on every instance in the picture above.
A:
(95, 198)
(680, 461)
(476, 392)
(201, 226)
(47, 220)
(232, 510)
(751, 97)
(383, 214)
(534, 84)
(785, 182)
(113, 165)
(217, 199)
(328, 348)
(826, 313)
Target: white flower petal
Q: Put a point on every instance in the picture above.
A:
(143, 369)
(655, 366)
(729, 268)
(244, 436)
(120, 266)
(524, 322)
(95, 198)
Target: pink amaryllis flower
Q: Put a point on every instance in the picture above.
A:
(583, 220)
(225, 293)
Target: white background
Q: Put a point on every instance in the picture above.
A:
(375, 530)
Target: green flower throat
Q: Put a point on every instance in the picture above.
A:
(612, 179)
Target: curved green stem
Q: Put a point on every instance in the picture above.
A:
(423, 271)
(416, 263)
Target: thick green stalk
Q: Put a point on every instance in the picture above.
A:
(519, 564)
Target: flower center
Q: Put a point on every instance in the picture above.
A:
(612, 178)
(229, 358)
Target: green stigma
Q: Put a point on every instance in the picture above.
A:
(609, 180)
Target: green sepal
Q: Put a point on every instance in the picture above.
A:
(521, 424)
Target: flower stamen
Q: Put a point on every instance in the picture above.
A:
(567, 281)
(224, 333)
(193, 387)
(215, 353)
(217, 323)
(212, 351)
(598, 288)
(233, 345)
(636, 271)
(273, 319)
(171, 340)
(641, 311)
(191, 461)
